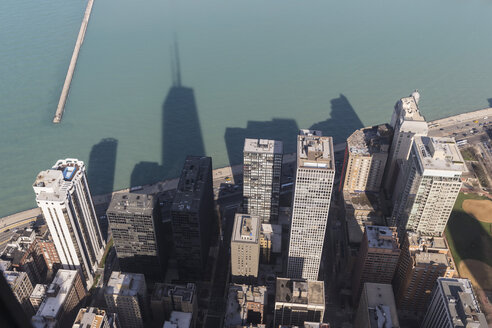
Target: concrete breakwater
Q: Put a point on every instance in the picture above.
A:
(73, 62)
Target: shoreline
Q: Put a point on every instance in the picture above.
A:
(220, 173)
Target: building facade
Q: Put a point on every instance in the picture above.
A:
(262, 169)
(377, 259)
(192, 216)
(311, 203)
(432, 181)
(365, 158)
(64, 197)
(245, 248)
(22, 288)
(453, 304)
(298, 301)
(125, 295)
(135, 226)
(376, 306)
(407, 122)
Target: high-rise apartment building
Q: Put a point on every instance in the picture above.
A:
(298, 301)
(377, 308)
(311, 203)
(135, 226)
(64, 197)
(63, 297)
(245, 248)
(125, 295)
(407, 122)
(261, 178)
(453, 304)
(432, 181)
(92, 317)
(365, 158)
(377, 259)
(192, 216)
(423, 259)
(22, 288)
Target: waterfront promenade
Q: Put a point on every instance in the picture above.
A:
(73, 62)
(231, 171)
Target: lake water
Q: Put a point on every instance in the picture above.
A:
(257, 68)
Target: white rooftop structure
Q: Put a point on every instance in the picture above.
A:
(314, 150)
(381, 237)
(39, 291)
(128, 284)
(246, 229)
(439, 156)
(263, 146)
(179, 320)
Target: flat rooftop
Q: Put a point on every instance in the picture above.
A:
(39, 291)
(126, 284)
(13, 276)
(89, 318)
(410, 109)
(179, 320)
(416, 240)
(361, 200)
(439, 156)
(382, 237)
(263, 146)
(380, 304)
(237, 299)
(314, 150)
(371, 140)
(130, 203)
(56, 293)
(299, 291)
(167, 290)
(246, 228)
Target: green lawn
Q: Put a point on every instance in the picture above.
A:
(469, 154)
(106, 251)
(468, 238)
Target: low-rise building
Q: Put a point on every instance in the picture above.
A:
(377, 308)
(21, 287)
(245, 306)
(92, 317)
(298, 301)
(60, 305)
(167, 298)
(270, 242)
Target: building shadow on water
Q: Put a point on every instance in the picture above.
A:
(490, 102)
(102, 165)
(181, 131)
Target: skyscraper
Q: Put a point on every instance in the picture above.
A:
(431, 182)
(453, 304)
(245, 248)
(377, 259)
(365, 158)
(135, 226)
(192, 214)
(407, 122)
(64, 197)
(261, 177)
(311, 203)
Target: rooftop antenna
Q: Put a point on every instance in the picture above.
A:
(176, 70)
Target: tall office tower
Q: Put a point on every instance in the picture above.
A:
(365, 158)
(63, 296)
(245, 248)
(423, 259)
(167, 298)
(22, 288)
(92, 317)
(192, 215)
(453, 304)
(377, 307)
(135, 225)
(261, 178)
(311, 203)
(298, 301)
(64, 197)
(432, 181)
(407, 122)
(125, 295)
(377, 259)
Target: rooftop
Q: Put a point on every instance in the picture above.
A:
(273, 232)
(246, 228)
(179, 320)
(56, 293)
(409, 109)
(439, 156)
(89, 318)
(14, 277)
(382, 237)
(238, 298)
(166, 290)
(462, 303)
(381, 305)
(367, 141)
(300, 291)
(131, 203)
(126, 284)
(314, 150)
(39, 291)
(264, 146)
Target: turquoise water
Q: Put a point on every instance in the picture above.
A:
(249, 67)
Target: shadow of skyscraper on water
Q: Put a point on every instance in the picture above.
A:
(102, 165)
(181, 131)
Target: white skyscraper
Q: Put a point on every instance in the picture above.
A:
(407, 122)
(431, 182)
(312, 196)
(262, 170)
(63, 195)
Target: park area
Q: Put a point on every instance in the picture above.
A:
(469, 234)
